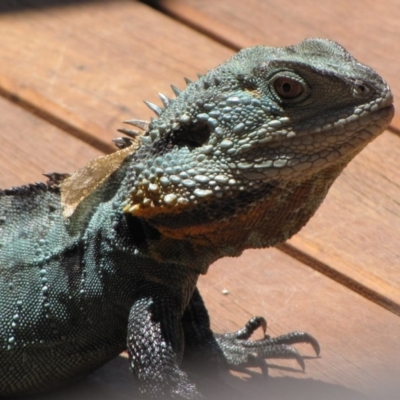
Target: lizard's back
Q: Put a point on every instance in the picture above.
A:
(47, 333)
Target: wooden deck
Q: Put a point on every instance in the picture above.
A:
(70, 73)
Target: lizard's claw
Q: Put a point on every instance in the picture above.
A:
(239, 351)
(252, 325)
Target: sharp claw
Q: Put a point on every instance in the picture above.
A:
(283, 351)
(304, 337)
(301, 362)
(239, 350)
(315, 345)
(252, 325)
(263, 322)
(298, 337)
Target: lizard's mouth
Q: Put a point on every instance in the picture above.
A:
(378, 119)
(355, 130)
(347, 120)
(312, 149)
(352, 129)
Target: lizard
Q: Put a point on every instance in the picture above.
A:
(107, 259)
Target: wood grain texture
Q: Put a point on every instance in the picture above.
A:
(367, 28)
(98, 61)
(31, 146)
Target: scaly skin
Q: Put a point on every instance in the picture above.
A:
(241, 159)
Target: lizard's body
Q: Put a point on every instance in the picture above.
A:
(242, 158)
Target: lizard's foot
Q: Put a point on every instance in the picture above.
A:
(239, 351)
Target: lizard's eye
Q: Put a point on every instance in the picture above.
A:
(288, 88)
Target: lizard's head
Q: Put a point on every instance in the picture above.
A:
(268, 118)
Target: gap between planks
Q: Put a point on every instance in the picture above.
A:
(340, 277)
(52, 113)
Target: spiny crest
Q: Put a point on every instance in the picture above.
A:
(138, 123)
(176, 90)
(164, 99)
(55, 178)
(157, 110)
(129, 132)
(149, 136)
(123, 142)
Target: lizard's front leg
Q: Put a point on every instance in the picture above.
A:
(236, 350)
(155, 346)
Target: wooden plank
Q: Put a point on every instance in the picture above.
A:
(359, 340)
(31, 146)
(367, 28)
(56, 114)
(92, 66)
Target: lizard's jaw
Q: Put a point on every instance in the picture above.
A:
(266, 217)
(309, 151)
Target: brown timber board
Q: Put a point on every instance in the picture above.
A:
(98, 61)
(357, 227)
(294, 297)
(31, 146)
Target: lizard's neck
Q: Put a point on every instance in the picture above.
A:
(247, 221)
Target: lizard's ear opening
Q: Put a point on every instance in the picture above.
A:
(193, 135)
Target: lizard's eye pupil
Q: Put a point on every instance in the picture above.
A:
(287, 88)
